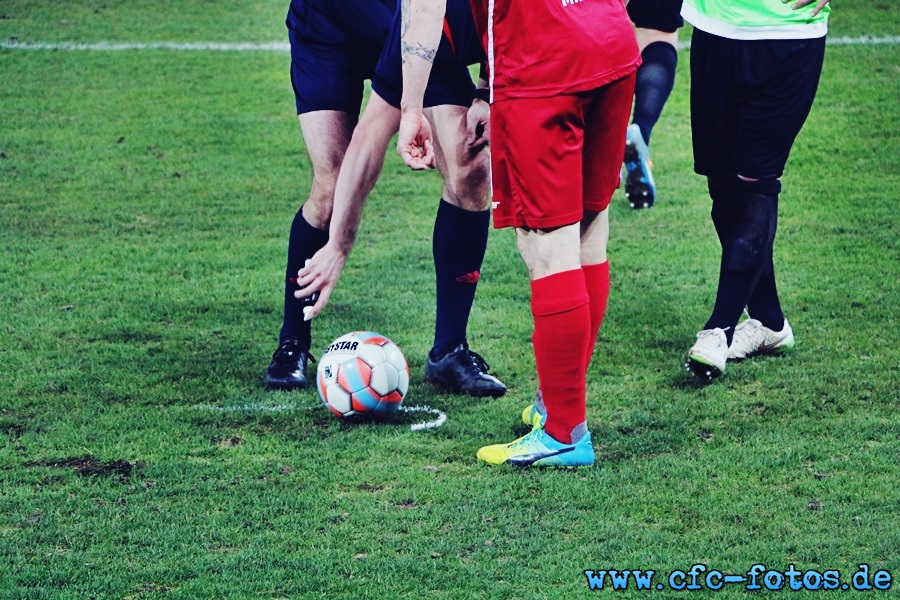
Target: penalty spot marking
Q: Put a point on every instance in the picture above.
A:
(439, 417)
(864, 40)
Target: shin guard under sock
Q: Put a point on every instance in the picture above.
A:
(746, 251)
(596, 280)
(305, 241)
(458, 244)
(654, 82)
(562, 321)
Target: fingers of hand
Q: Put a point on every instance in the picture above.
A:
(419, 157)
(307, 283)
(310, 312)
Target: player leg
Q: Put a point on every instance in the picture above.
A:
(763, 149)
(655, 77)
(461, 225)
(327, 75)
(777, 104)
(656, 28)
(595, 265)
(561, 338)
(326, 135)
(606, 119)
(459, 243)
(713, 127)
(544, 204)
(561, 309)
(463, 217)
(605, 122)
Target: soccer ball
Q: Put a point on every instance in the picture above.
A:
(362, 373)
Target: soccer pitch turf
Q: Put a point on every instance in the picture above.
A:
(150, 165)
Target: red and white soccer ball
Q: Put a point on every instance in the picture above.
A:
(362, 373)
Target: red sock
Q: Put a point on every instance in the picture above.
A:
(596, 278)
(562, 320)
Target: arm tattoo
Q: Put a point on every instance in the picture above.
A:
(407, 49)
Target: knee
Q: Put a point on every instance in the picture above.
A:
(752, 234)
(746, 252)
(737, 199)
(319, 205)
(467, 186)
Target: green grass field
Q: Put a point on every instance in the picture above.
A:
(145, 202)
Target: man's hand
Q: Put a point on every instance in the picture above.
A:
(320, 274)
(820, 4)
(420, 37)
(414, 141)
(478, 125)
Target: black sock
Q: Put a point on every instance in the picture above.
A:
(764, 305)
(655, 78)
(459, 244)
(305, 241)
(746, 252)
(722, 192)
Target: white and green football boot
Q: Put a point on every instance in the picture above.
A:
(752, 338)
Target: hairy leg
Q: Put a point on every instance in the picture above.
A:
(327, 135)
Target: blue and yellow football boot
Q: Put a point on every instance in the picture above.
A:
(538, 449)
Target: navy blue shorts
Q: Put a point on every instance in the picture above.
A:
(749, 100)
(450, 81)
(661, 15)
(335, 45)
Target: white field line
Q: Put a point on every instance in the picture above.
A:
(119, 46)
(254, 407)
(285, 47)
(863, 40)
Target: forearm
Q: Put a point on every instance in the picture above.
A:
(359, 172)
(420, 37)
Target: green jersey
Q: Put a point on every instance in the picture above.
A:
(755, 19)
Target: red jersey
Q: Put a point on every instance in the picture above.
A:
(541, 48)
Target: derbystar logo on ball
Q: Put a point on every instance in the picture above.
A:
(363, 373)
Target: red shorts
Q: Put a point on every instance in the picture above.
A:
(554, 158)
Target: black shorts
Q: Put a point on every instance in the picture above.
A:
(450, 81)
(749, 100)
(335, 45)
(661, 15)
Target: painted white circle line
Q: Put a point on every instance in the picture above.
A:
(439, 419)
